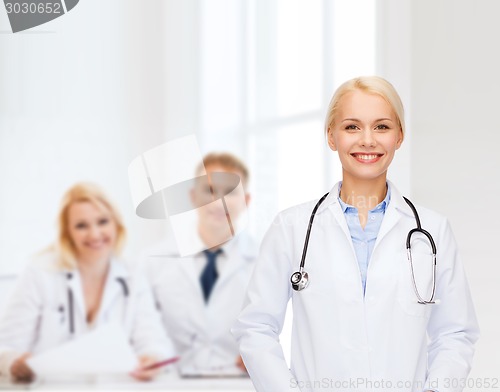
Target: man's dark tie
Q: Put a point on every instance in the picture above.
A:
(209, 274)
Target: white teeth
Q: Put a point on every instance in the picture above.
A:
(366, 157)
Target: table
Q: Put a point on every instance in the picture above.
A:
(166, 382)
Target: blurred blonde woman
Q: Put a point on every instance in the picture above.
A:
(78, 285)
(381, 302)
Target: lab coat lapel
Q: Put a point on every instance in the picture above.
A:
(113, 287)
(397, 205)
(351, 267)
(169, 253)
(238, 253)
(187, 265)
(75, 285)
(332, 204)
(336, 209)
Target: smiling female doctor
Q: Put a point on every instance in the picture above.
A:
(357, 321)
(79, 286)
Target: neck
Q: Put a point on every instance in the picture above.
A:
(364, 194)
(212, 238)
(93, 268)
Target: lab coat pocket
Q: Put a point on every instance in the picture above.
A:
(412, 277)
(53, 326)
(54, 316)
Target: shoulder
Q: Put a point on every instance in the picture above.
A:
(437, 225)
(165, 247)
(41, 274)
(132, 274)
(428, 217)
(430, 214)
(44, 264)
(290, 225)
(298, 214)
(246, 246)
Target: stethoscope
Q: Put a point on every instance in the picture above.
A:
(71, 314)
(300, 278)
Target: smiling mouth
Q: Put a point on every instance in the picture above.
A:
(96, 245)
(368, 158)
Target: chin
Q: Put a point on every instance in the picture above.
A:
(367, 175)
(99, 253)
(218, 225)
(217, 219)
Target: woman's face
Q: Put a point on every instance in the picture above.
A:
(92, 231)
(366, 134)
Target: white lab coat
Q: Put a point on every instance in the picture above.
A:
(342, 340)
(201, 331)
(37, 316)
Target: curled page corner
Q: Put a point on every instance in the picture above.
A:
(169, 181)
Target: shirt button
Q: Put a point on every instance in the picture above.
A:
(373, 217)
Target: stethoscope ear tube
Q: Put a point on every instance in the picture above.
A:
(419, 229)
(413, 279)
(70, 307)
(124, 286)
(71, 301)
(424, 232)
(300, 278)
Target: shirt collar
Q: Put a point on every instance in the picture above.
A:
(382, 206)
(224, 249)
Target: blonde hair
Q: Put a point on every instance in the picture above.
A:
(369, 84)
(83, 192)
(227, 161)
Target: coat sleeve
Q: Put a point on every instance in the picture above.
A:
(148, 335)
(453, 328)
(260, 323)
(19, 321)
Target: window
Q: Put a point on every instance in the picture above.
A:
(268, 70)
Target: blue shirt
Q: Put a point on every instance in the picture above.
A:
(364, 240)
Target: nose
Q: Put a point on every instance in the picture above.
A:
(367, 138)
(94, 232)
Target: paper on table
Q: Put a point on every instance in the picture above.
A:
(104, 350)
(217, 372)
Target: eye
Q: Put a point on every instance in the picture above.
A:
(382, 127)
(81, 225)
(103, 221)
(351, 127)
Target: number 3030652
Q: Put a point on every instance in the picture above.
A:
(33, 8)
(473, 383)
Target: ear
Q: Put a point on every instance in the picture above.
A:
(331, 141)
(247, 198)
(400, 140)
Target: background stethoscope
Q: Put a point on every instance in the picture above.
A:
(300, 278)
(71, 301)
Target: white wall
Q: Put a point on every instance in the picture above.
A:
(81, 97)
(455, 143)
(442, 57)
(393, 58)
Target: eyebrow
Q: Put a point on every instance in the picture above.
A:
(357, 120)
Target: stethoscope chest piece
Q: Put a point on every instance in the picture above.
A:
(299, 280)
